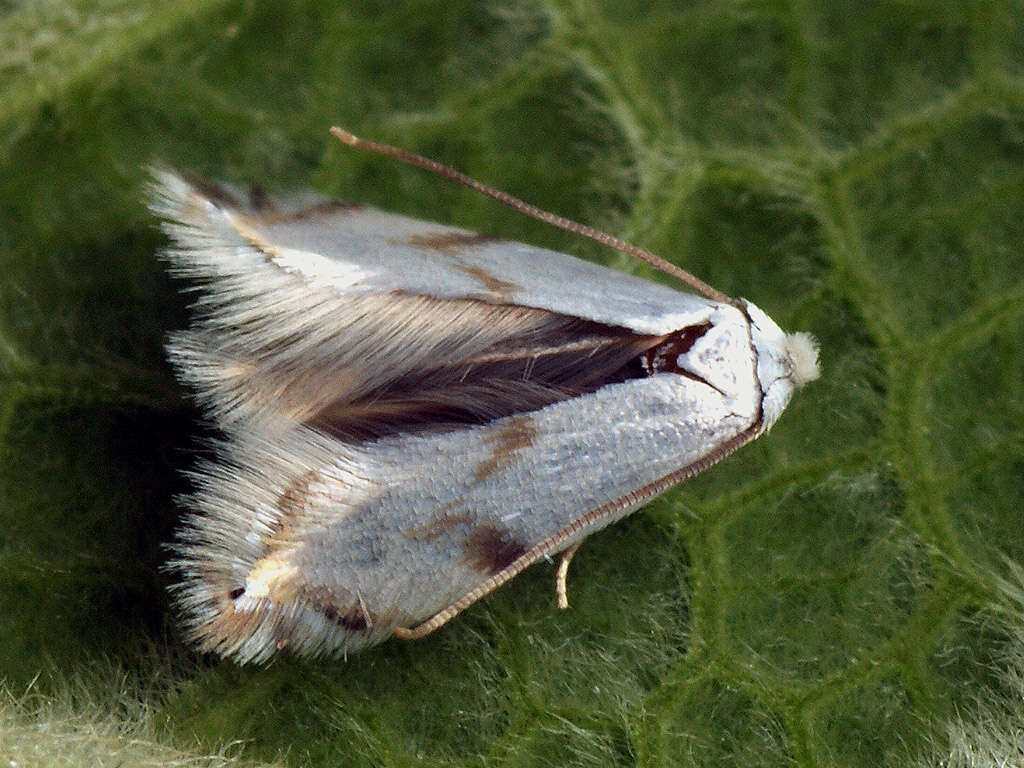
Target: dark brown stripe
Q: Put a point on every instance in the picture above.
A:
(296, 495)
(440, 525)
(447, 242)
(517, 435)
(487, 280)
(326, 208)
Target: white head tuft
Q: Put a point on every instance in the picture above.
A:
(803, 353)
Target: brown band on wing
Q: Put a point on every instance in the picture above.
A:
(450, 243)
(494, 287)
(354, 619)
(438, 526)
(296, 496)
(324, 208)
(212, 191)
(517, 435)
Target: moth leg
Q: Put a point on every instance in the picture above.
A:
(561, 590)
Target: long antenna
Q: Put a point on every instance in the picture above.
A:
(531, 210)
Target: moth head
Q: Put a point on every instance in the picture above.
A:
(785, 361)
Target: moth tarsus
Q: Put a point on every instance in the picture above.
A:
(562, 575)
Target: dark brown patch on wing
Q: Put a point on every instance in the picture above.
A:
(451, 243)
(212, 191)
(260, 200)
(261, 205)
(326, 208)
(296, 495)
(323, 600)
(491, 283)
(354, 619)
(490, 549)
(517, 435)
(438, 526)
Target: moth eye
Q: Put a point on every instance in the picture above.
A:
(664, 357)
(236, 593)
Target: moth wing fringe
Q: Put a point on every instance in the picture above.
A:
(237, 499)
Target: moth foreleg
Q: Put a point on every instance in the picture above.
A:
(561, 589)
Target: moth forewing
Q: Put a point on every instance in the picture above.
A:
(414, 413)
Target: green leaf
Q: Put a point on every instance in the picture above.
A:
(843, 592)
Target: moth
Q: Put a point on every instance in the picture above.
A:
(413, 413)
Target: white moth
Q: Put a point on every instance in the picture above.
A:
(414, 413)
